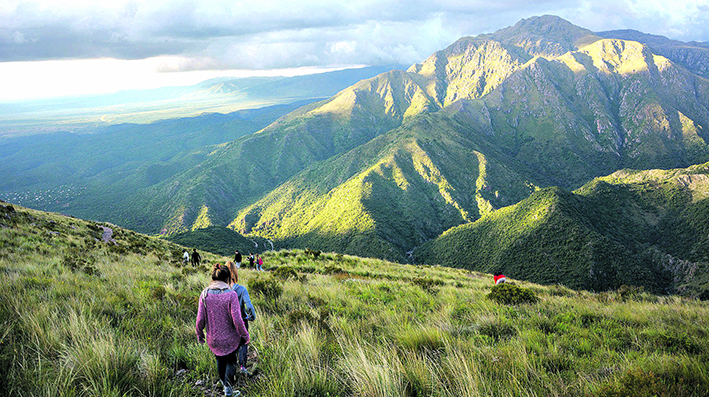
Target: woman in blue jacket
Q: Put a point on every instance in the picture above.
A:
(247, 313)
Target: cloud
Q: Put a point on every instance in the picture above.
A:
(307, 31)
(684, 20)
(271, 34)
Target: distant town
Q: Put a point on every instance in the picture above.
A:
(41, 199)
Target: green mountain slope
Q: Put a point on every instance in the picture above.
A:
(222, 241)
(560, 122)
(395, 160)
(643, 228)
(239, 172)
(390, 195)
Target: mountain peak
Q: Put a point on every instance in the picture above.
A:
(546, 35)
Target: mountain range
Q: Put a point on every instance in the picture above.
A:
(484, 133)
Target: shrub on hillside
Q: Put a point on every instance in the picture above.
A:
(629, 292)
(298, 316)
(509, 294)
(176, 256)
(76, 260)
(314, 253)
(329, 269)
(285, 272)
(427, 284)
(267, 287)
(657, 381)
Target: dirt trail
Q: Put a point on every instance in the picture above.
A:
(107, 235)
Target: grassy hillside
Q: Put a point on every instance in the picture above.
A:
(644, 228)
(118, 320)
(222, 241)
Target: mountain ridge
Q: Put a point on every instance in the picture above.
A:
(642, 227)
(392, 162)
(559, 119)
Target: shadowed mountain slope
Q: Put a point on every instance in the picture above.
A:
(645, 228)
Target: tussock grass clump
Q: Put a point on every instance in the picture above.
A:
(428, 284)
(421, 339)
(497, 329)
(268, 287)
(285, 272)
(510, 294)
(662, 377)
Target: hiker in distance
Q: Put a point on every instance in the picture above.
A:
(196, 258)
(247, 314)
(499, 278)
(259, 262)
(251, 260)
(237, 259)
(185, 256)
(219, 314)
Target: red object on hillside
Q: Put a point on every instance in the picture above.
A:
(499, 279)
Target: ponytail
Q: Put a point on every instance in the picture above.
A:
(220, 273)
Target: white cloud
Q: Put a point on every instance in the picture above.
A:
(47, 79)
(685, 20)
(204, 35)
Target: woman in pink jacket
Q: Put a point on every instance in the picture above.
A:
(219, 314)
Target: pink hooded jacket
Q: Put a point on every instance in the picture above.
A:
(219, 315)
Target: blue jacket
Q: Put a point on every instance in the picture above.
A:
(247, 309)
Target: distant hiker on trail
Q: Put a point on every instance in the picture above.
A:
(219, 314)
(251, 260)
(196, 258)
(499, 278)
(185, 257)
(247, 314)
(259, 262)
(237, 259)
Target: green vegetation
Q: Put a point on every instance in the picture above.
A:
(394, 161)
(644, 229)
(344, 326)
(222, 241)
(511, 294)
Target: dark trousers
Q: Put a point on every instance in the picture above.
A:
(243, 348)
(226, 367)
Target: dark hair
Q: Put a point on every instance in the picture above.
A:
(220, 273)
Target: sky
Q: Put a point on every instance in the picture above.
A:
(51, 48)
